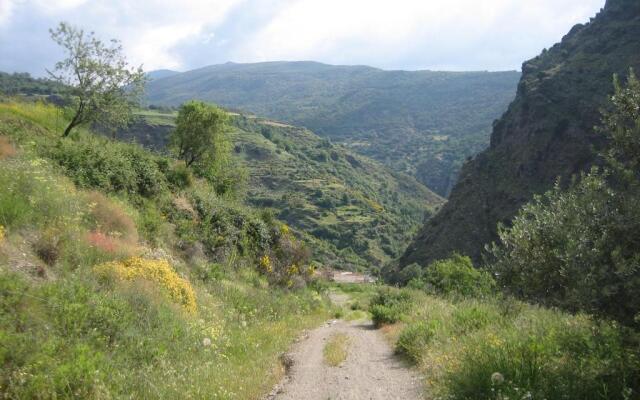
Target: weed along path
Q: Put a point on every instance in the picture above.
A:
(346, 360)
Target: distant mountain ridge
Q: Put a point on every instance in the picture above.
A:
(423, 123)
(548, 131)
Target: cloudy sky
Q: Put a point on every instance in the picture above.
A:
(390, 34)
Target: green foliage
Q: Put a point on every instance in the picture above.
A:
(66, 333)
(421, 123)
(548, 356)
(493, 348)
(414, 338)
(96, 162)
(356, 213)
(389, 305)
(100, 85)
(200, 131)
(578, 248)
(24, 84)
(454, 276)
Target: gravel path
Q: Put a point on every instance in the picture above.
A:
(371, 371)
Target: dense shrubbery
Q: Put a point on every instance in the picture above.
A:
(455, 276)
(389, 305)
(110, 166)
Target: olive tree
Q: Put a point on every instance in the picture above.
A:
(101, 86)
(200, 133)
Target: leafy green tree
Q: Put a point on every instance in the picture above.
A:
(102, 88)
(200, 134)
(579, 248)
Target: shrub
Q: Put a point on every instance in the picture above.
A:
(111, 166)
(577, 248)
(389, 305)
(157, 271)
(48, 246)
(414, 339)
(457, 276)
(179, 176)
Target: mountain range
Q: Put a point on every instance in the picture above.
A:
(423, 123)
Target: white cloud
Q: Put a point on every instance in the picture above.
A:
(311, 29)
(6, 7)
(182, 34)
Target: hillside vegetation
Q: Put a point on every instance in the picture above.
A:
(547, 132)
(357, 213)
(482, 345)
(121, 275)
(422, 123)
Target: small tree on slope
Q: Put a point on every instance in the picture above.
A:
(102, 88)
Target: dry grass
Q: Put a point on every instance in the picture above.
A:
(6, 148)
(336, 350)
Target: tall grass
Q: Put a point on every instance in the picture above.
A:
(501, 349)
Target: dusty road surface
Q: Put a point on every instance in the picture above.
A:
(371, 371)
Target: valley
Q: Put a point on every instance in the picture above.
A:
(280, 230)
(421, 123)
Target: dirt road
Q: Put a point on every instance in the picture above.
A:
(371, 371)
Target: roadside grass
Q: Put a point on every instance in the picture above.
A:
(336, 349)
(498, 348)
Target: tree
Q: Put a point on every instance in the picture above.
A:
(200, 134)
(579, 248)
(102, 88)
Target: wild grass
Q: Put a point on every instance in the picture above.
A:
(336, 349)
(495, 348)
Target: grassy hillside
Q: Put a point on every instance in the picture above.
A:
(422, 123)
(548, 132)
(121, 277)
(358, 213)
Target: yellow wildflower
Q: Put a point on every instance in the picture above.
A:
(293, 270)
(284, 230)
(265, 263)
(157, 271)
(2, 233)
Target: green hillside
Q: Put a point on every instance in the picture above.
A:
(122, 277)
(422, 123)
(547, 132)
(358, 213)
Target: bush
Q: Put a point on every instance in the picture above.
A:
(157, 271)
(110, 166)
(457, 276)
(388, 306)
(415, 338)
(179, 176)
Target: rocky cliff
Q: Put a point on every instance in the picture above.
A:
(547, 132)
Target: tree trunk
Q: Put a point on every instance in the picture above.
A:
(71, 125)
(75, 121)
